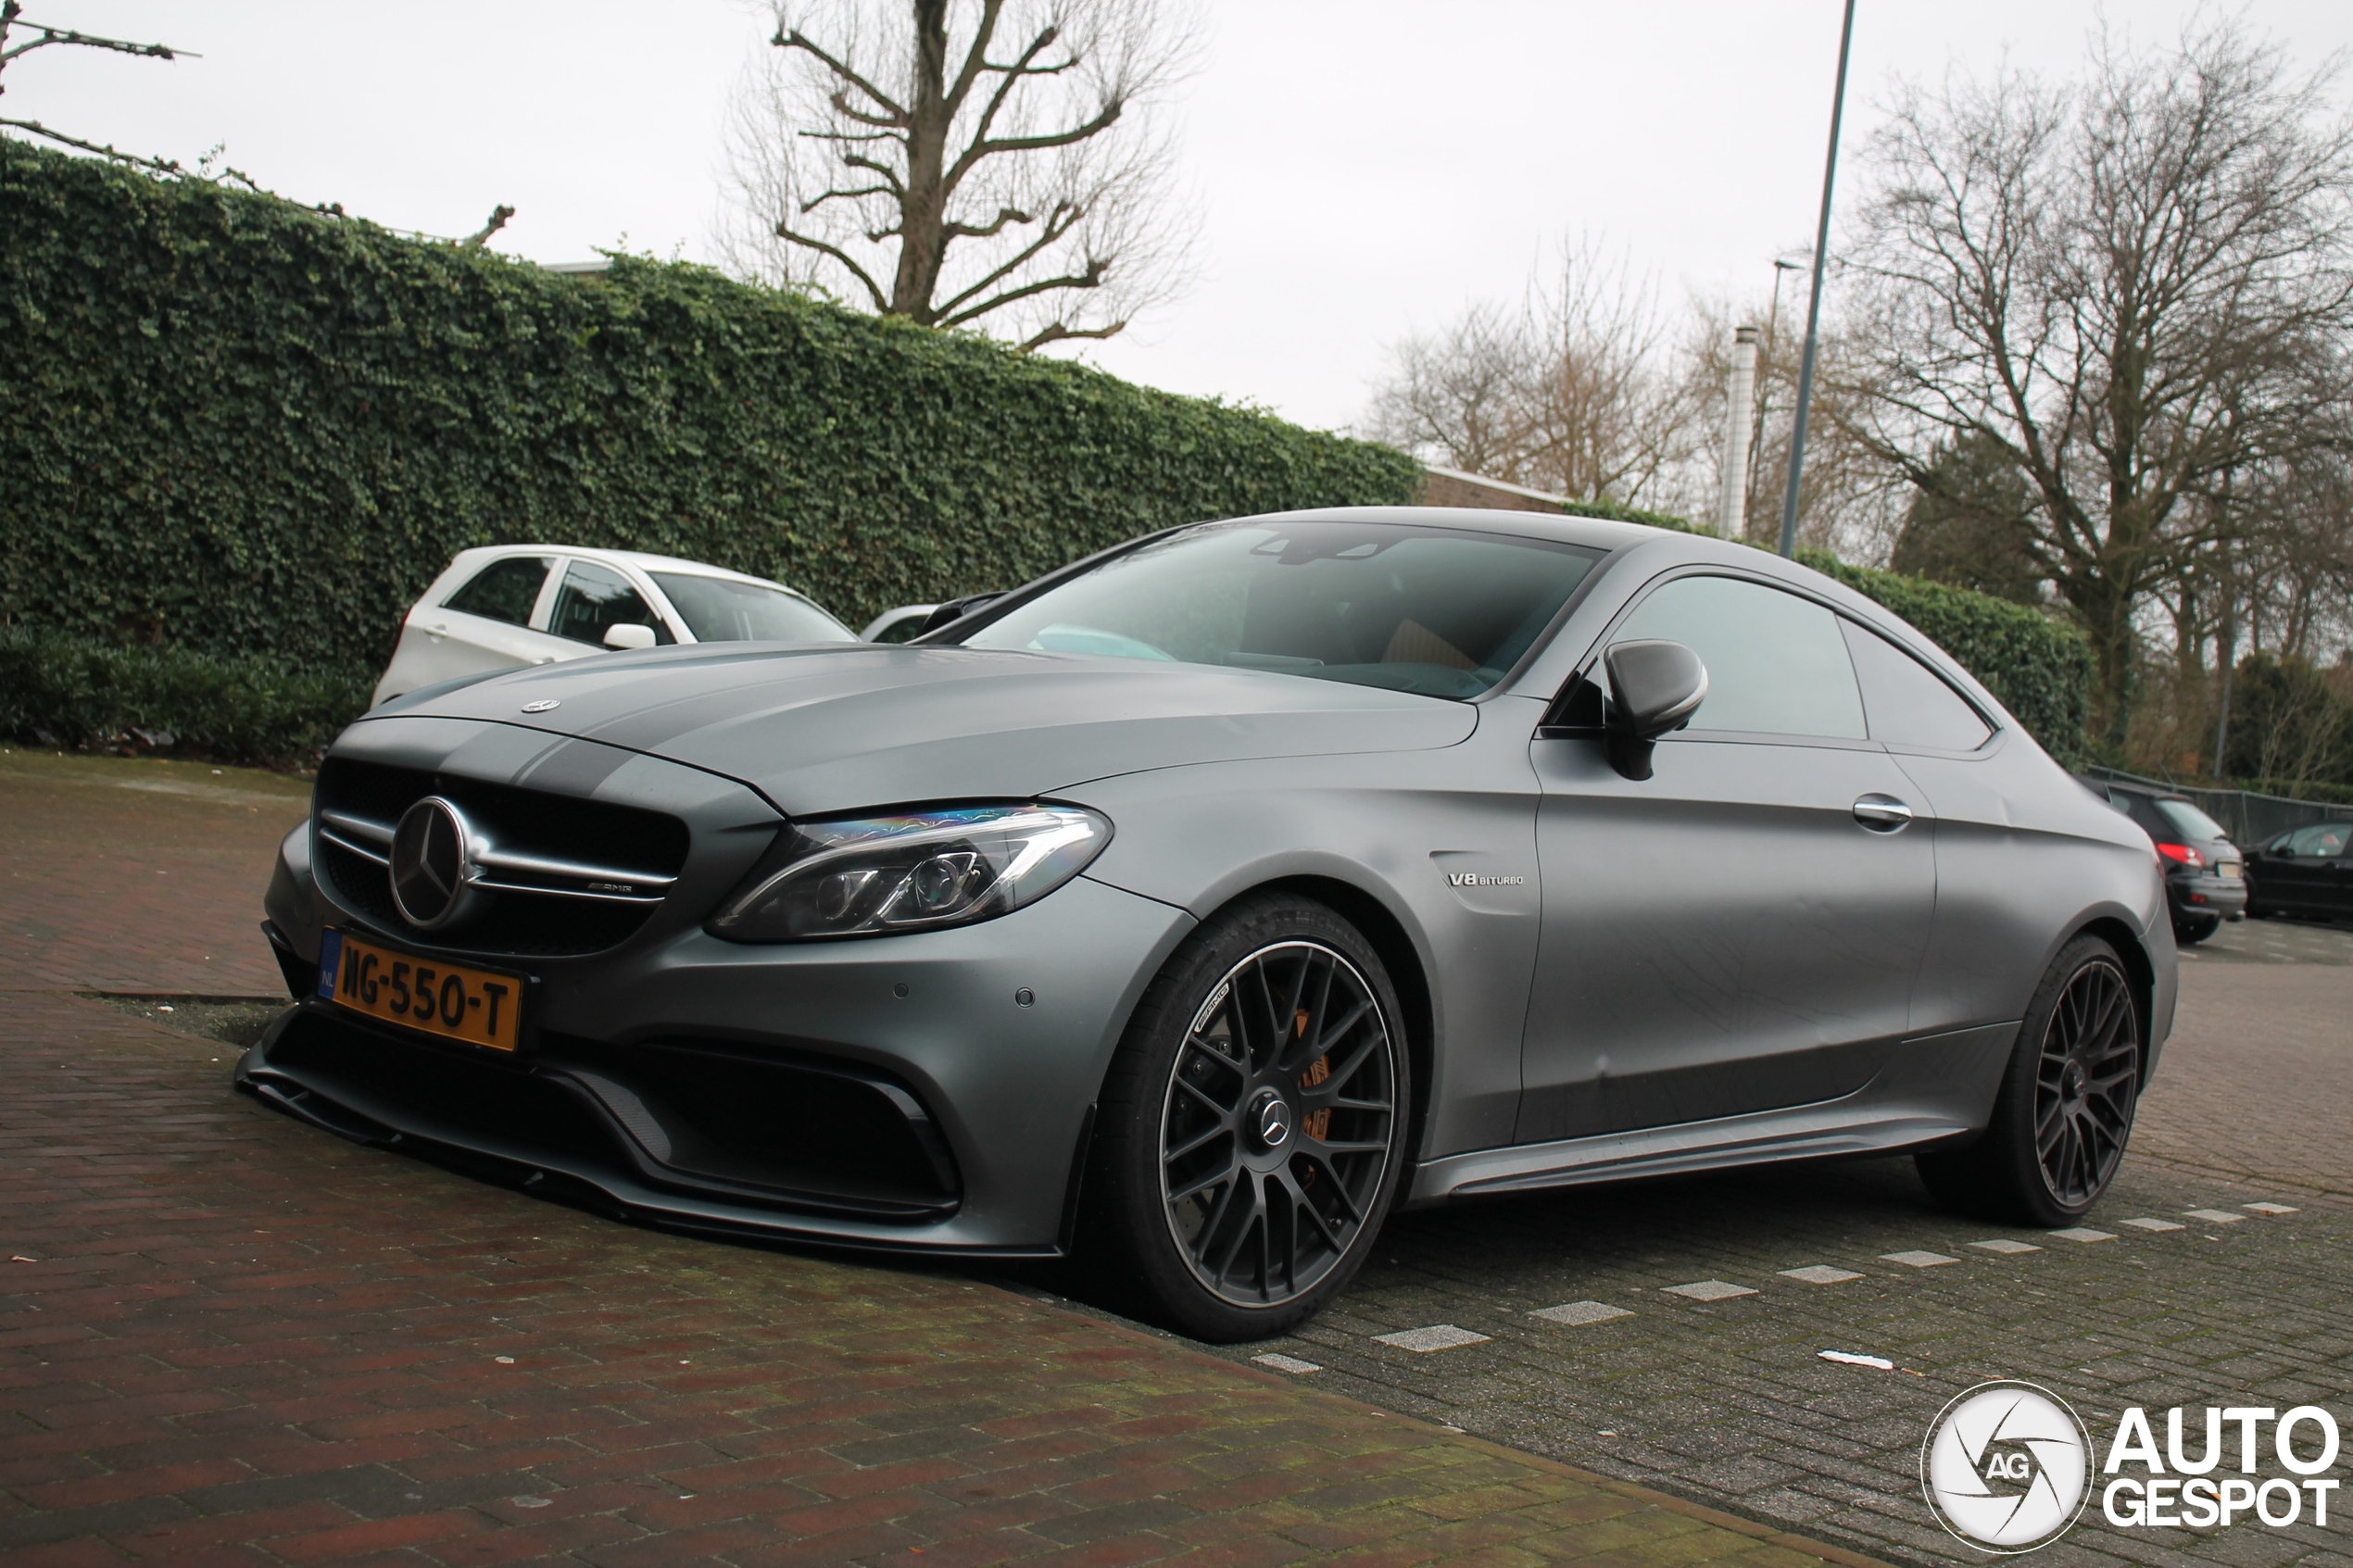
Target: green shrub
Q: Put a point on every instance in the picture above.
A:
(238, 425)
(228, 710)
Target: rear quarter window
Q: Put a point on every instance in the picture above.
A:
(1905, 702)
(504, 590)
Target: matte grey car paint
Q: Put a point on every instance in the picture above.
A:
(1719, 965)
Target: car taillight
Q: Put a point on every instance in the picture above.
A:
(2181, 854)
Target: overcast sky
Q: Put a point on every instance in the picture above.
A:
(1363, 167)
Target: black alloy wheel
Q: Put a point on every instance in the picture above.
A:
(1275, 1123)
(1252, 1132)
(2064, 1112)
(2083, 1083)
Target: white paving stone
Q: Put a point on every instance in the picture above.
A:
(2215, 1216)
(1437, 1337)
(1820, 1273)
(2149, 1225)
(1917, 1260)
(1285, 1363)
(2084, 1232)
(1709, 1291)
(2269, 1208)
(2005, 1246)
(1576, 1313)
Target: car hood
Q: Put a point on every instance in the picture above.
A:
(819, 729)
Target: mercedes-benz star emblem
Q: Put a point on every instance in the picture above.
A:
(544, 705)
(1274, 1123)
(433, 866)
(2007, 1467)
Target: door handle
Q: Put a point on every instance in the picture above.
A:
(1883, 813)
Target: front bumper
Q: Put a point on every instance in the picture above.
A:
(889, 1094)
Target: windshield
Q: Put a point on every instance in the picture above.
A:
(1433, 611)
(2189, 821)
(718, 610)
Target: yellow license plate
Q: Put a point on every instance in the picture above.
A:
(478, 1006)
(2227, 869)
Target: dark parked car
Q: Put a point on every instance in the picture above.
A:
(1191, 907)
(2205, 874)
(2307, 871)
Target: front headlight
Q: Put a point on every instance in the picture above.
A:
(871, 876)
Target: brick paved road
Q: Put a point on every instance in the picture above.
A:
(144, 876)
(225, 1338)
(1730, 1402)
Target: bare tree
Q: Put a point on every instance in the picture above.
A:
(1575, 391)
(1454, 398)
(1002, 164)
(2129, 288)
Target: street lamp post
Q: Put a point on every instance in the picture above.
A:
(1814, 301)
(1783, 266)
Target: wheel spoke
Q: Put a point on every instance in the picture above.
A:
(1206, 1135)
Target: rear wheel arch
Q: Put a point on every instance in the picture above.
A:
(2138, 966)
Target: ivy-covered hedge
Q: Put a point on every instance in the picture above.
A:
(238, 426)
(72, 691)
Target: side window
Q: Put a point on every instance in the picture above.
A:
(595, 597)
(2319, 841)
(1776, 663)
(1907, 703)
(504, 590)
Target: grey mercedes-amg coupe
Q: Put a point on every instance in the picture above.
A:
(1193, 905)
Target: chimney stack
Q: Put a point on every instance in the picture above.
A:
(1731, 509)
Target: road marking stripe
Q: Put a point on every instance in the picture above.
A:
(1709, 1291)
(1577, 1313)
(1437, 1337)
(1917, 1260)
(1820, 1273)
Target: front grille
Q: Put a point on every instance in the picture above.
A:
(555, 853)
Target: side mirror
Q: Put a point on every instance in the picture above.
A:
(956, 609)
(898, 624)
(1655, 687)
(623, 634)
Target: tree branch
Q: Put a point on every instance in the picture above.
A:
(811, 242)
(1090, 279)
(499, 216)
(90, 40)
(1058, 332)
(1058, 223)
(798, 40)
(155, 165)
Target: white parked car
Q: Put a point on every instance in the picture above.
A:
(505, 606)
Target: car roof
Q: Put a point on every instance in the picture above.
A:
(1594, 532)
(637, 558)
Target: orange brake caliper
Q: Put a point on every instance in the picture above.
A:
(1317, 1124)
